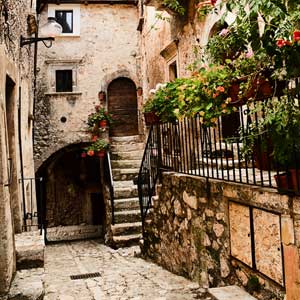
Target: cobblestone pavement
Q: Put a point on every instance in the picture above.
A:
(123, 276)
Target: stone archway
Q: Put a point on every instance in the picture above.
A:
(122, 103)
(74, 206)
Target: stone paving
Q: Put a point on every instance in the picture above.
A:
(122, 275)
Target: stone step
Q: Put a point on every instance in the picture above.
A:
(125, 139)
(127, 240)
(125, 192)
(30, 249)
(128, 216)
(125, 174)
(127, 228)
(125, 164)
(230, 293)
(127, 155)
(127, 147)
(126, 204)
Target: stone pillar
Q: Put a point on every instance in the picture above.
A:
(291, 258)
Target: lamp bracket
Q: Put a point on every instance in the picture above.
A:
(27, 41)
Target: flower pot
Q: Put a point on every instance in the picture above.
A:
(283, 181)
(262, 155)
(101, 96)
(102, 124)
(151, 118)
(139, 91)
(101, 153)
(295, 179)
(83, 154)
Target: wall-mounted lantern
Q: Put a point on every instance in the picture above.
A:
(48, 32)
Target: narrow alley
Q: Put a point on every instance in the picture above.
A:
(122, 275)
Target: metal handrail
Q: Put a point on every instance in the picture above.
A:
(111, 188)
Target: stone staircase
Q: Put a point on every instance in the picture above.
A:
(127, 153)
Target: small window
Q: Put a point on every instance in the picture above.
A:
(173, 71)
(65, 19)
(64, 81)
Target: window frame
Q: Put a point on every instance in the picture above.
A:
(75, 8)
(69, 88)
(66, 12)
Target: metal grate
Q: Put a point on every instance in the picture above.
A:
(85, 276)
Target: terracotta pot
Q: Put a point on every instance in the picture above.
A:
(283, 181)
(262, 156)
(101, 96)
(139, 91)
(101, 154)
(103, 124)
(151, 118)
(83, 154)
(295, 179)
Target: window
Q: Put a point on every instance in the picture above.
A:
(173, 71)
(64, 81)
(68, 15)
(65, 19)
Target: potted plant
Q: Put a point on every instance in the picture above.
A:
(99, 118)
(97, 148)
(280, 124)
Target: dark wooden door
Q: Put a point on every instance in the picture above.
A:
(122, 103)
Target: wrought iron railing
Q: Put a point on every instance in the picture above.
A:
(33, 210)
(149, 171)
(111, 187)
(189, 147)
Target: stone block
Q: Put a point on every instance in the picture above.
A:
(191, 201)
(292, 272)
(287, 230)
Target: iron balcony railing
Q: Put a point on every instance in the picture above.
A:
(189, 147)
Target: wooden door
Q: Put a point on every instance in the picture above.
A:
(122, 103)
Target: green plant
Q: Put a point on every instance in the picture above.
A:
(97, 146)
(280, 123)
(99, 115)
(175, 5)
(205, 93)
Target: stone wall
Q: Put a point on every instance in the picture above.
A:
(107, 48)
(218, 233)
(16, 76)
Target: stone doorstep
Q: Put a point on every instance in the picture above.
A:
(27, 285)
(30, 250)
(230, 293)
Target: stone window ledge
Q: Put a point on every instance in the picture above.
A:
(63, 94)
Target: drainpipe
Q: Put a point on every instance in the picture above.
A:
(21, 157)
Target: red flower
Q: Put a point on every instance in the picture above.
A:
(213, 2)
(288, 43)
(97, 107)
(220, 89)
(296, 35)
(90, 153)
(94, 138)
(280, 43)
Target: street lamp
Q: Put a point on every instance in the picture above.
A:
(48, 32)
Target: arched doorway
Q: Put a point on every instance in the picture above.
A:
(122, 103)
(74, 206)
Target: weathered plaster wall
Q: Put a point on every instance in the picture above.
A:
(202, 230)
(15, 64)
(107, 48)
(189, 32)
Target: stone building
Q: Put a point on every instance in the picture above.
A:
(97, 53)
(16, 125)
